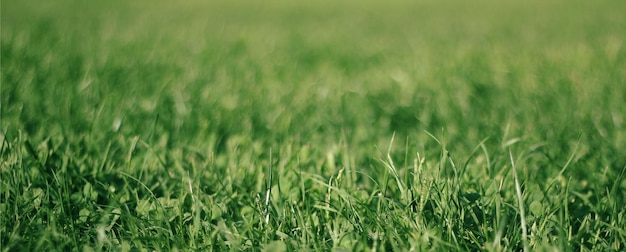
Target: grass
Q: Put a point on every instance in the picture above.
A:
(140, 126)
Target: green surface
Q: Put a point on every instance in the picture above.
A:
(149, 125)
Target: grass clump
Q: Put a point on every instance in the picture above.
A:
(316, 126)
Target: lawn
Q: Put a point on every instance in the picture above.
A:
(328, 125)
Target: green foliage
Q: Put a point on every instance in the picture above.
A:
(142, 126)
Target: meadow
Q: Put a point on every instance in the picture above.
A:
(318, 126)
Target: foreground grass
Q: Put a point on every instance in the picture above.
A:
(351, 126)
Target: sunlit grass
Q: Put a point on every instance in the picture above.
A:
(317, 126)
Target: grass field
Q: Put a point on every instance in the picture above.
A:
(343, 126)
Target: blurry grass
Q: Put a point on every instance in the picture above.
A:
(156, 126)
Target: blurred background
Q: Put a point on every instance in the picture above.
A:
(323, 72)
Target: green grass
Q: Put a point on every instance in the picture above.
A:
(146, 125)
